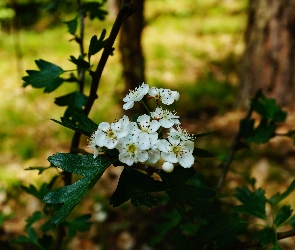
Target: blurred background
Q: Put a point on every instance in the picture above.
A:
(215, 53)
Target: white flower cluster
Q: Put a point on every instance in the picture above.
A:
(139, 141)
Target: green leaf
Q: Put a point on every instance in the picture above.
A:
(94, 10)
(268, 109)
(202, 153)
(47, 78)
(80, 62)
(96, 44)
(91, 169)
(266, 236)
(181, 193)
(246, 128)
(197, 136)
(282, 215)
(75, 101)
(34, 218)
(72, 25)
(79, 122)
(253, 203)
(136, 186)
(291, 221)
(79, 224)
(264, 132)
(40, 169)
(275, 199)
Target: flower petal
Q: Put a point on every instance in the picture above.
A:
(169, 157)
(186, 160)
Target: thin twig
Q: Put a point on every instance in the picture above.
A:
(236, 145)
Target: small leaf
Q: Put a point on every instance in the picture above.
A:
(253, 203)
(202, 153)
(33, 218)
(96, 44)
(266, 236)
(80, 62)
(246, 128)
(264, 132)
(79, 122)
(94, 10)
(72, 25)
(85, 165)
(275, 199)
(291, 221)
(41, 169)
(282, 215)
(79, 224)
(47, 78)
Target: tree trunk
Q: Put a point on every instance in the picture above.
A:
(131, 51)
(269, 59)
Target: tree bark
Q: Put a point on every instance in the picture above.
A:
(269, 58)
(132, 58)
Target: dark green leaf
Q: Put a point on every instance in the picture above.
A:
(40, 169)
(79, 122)
(80, 62)
(268, 109)
(94, 10)
(85, 165)
(181, 193)
(202, 153)
(72, 25)
(136, 186)
(246, 128)
(79, 224)
(253, 203)
(282, 215)
(96, 44)
(33, 218)
(291, 221)
(47, 78)
(275, 199)
(264, 132)
(266, 236)
(74, 99)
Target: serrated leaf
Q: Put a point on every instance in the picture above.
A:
(79, 224)
(47, 78)
(266, 236)
(275, 199)
(253, 203)
(75, 101)
(197, 136)
(94, 10)
(264, 132)
(91, 169)
(202, 153)
(72, 25)
(96, 44)
(268, 108)
(282, 215)
(80, 62)
(40, 169)
(136, 186)
(181, 193)
(79, 122)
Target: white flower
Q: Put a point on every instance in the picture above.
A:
(153, 152)
(168, 167)
(146, 125)
(132, 150)
(166, 118)
(180, 133)
(108, 135)
(135, 96)
(166, 96)
(175, 150)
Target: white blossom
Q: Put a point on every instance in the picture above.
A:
(175, 150)
(166, 96)
(92, 144)
(166, 118)
(135, 96)
(167, 167)
(108, 135)
(180, 133)
(132, 150)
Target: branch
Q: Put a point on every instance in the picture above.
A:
(236, 145)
